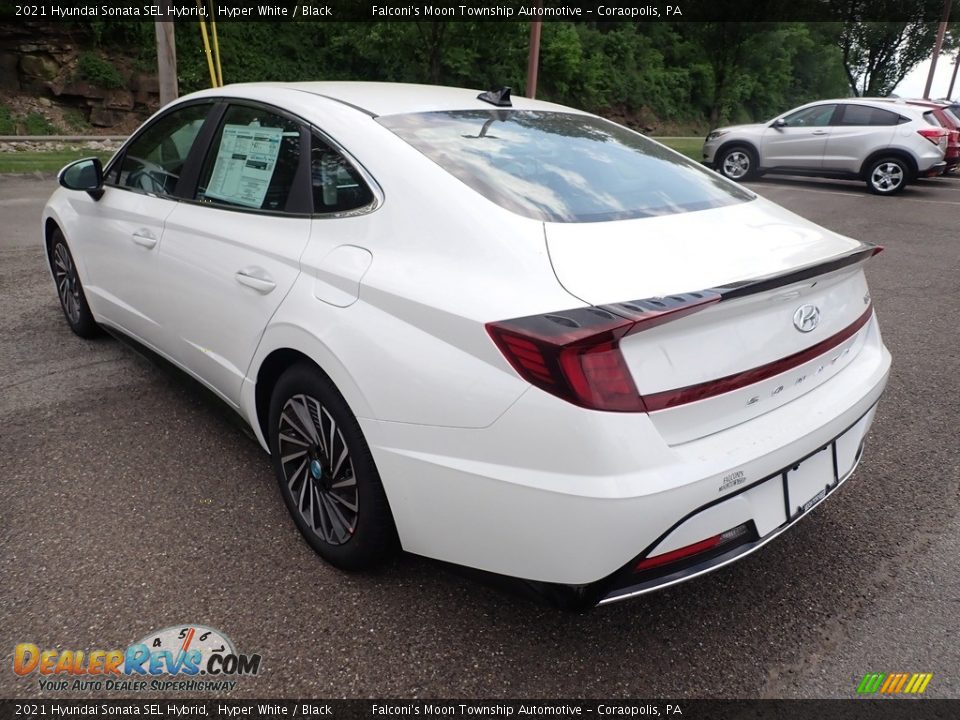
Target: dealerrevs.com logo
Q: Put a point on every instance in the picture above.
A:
(180, 658)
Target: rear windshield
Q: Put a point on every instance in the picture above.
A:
(563, 167)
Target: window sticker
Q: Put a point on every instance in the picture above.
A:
(245, 164)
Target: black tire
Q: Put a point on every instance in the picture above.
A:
(887, 176)
(349, 525)
(73, 302)
(737, 162)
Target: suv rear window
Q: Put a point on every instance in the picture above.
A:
(563, 167)
(864, 115)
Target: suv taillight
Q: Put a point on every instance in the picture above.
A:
(937, 136)
(575, 354)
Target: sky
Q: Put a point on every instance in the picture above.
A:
(913, 84)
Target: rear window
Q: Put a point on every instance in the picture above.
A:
(563, 167)
(953, 116)
(932, 119)
(870, 116)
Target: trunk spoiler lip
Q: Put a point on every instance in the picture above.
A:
(650, 312)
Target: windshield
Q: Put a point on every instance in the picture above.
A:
(563, 167)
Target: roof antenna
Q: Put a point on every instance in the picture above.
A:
(500, 98)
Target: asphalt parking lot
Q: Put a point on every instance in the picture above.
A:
(130, 502)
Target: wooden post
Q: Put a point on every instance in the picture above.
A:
(166, 62)
(953, 78)
(936, 47)
(533, 56)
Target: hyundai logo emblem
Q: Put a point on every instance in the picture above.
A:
(806, 318)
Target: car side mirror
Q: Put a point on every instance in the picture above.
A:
(86, 174)
(779, 123)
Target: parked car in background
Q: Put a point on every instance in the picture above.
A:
(504, 333)
(940, 114)
(847, 138)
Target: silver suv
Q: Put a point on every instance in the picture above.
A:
(851, 138)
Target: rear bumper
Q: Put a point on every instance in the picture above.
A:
(843, 454)
(938, 168)
(556, 494)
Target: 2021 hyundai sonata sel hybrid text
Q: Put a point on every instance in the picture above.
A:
(502, 333)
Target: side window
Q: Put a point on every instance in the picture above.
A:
(816, 116)
(253, 162)
(154, 160)
(337, 186)
(861, 115)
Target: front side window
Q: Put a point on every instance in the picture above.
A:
(154, 161)
(562, 167)
(253, 162)
(336, 185)
(817, 116)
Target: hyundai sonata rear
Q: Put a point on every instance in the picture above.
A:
(509, 335)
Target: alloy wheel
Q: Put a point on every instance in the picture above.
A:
(736, 164)
(318, 470)
(68, 285)
(887, 177)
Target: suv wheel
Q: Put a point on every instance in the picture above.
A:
(737, 163)
(887, 176)
(326, 473)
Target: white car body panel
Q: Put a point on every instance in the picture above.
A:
(480, 467)
(213, 320)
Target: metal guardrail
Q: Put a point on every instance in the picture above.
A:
(62, 138)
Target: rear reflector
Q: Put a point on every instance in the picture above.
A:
(697, 548)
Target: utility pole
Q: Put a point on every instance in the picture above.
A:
(936, 47)
(953, 79)
(166, 61)
(533, 56)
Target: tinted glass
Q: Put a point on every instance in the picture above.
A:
(337, 186)
(863, 115)
(817, 116)
(562, 167)
(252, 162)
(952, 116)
(153, 162)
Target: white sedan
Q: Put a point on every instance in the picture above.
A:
(494, 331)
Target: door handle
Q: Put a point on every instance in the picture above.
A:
(819, 132)
(256, 278)
(144, 238)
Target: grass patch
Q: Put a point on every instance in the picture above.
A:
(37, 124)
(691, 148)
(99, 72)
(52, 161)
(7, 125)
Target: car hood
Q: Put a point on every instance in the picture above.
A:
(611, 262)
(750, 127)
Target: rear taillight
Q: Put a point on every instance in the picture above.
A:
(937, 136)
(575, 354)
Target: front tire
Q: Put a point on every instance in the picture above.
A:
(73, 302)
(326, 473)
(887, 176)
(738, 163)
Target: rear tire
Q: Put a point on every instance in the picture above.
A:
(73, 302)
(887, 176)
(326, 473)
(737, 163)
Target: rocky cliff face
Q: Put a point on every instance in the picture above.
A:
(40, 72)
